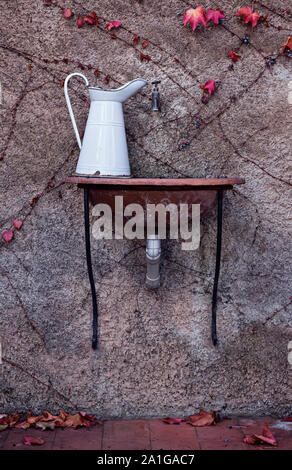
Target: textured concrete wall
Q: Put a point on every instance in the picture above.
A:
(155, 356)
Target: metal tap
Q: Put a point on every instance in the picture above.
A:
(155, 96)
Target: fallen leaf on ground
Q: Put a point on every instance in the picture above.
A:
(13, 420)
(3, 427)
(173, 420)
(287, 419)
(32, 441)
(31, 420)
(210, 86)
(203, 418)
(194, 16)
(49, 421)
(23, 425)
(144, 44)
(248, 15)
(215, 15)
(265, 438)
(43, 425)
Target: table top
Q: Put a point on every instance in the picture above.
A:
(168, 182)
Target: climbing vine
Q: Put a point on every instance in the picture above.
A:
(194, 20)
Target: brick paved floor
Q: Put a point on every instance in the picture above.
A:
(152, 434)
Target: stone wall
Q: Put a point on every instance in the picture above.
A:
(155, 354)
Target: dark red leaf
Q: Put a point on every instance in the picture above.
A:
(144, 57)
(136, 39)
(80, 22)
(91, 18)
(234, 56)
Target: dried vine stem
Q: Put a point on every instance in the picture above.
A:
(39, 381)
(19, 299)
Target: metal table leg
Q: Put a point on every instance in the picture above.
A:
(217, 268)
(89, 267)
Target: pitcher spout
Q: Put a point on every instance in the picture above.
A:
(119, 94)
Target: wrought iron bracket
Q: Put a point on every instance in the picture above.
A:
(217, 266)
(89, 268)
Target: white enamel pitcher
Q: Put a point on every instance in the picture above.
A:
(104, 150)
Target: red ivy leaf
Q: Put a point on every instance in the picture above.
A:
(215, 15)
(289, 420)
(253, 18)
(144, 44)
(136, 39)
(7, 236)
(17, 224)
(96, 72)
(210, 86)
(106, 79)
(144, 57)
(173, 420)
(80, 22)
(67, 13)
(91, 18)
(32, 441)
(244, 12)
(113, 24)
(195, 16)
(234, 56)
(248, 15)
(288, 44)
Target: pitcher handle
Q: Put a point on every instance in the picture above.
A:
(69, 103)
